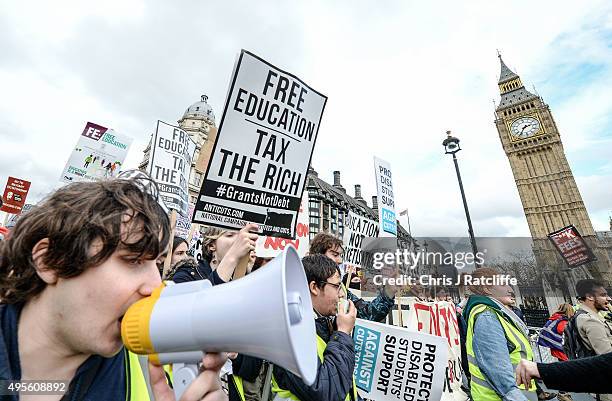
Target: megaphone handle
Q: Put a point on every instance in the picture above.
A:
(183, 375)
(241, 267)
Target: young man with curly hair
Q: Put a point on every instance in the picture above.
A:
(68, 273)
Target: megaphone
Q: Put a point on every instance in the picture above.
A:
(267, 314)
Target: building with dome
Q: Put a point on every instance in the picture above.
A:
(197, 121)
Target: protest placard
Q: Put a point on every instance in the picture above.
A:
(386, 200)
(172, 152)
(99, 154)
(12, 221)
(356, 228)
(15, 194)
(270, 247)
(183, 223)
(393, 363)
(439, 319)
(572, 246)
(264, 144)
(195, 245)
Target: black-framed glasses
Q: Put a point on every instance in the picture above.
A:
(338, 286)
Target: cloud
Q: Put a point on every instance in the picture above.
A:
(397, 78)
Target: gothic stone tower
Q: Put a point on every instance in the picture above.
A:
(551, 199)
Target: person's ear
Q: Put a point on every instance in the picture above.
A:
(39, 251)
(314, 289)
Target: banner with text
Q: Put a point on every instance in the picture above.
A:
(99, 154)
(386, 201)
(12, 221)
(572, 246)
(15, 194)
(183, 223)
(172, 151)
(270, 247)
(356, 228)
(393, 363)
(439, 319)
(264, 145)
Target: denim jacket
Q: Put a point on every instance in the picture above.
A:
(492, 352)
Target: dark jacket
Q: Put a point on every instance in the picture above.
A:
(375, 310)
(109, 375)
(584, 375)
(334, 376)
(202, 271)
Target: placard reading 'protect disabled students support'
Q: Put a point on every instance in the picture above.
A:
(266, 137)
(394, 363)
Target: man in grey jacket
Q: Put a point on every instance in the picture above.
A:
(594, 330)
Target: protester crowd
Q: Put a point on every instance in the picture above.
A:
(75, 263)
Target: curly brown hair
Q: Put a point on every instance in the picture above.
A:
(322, 242)
(73, 217)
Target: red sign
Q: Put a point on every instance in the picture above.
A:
(572, 246)
(15, 195)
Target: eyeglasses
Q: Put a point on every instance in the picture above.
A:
(338, 286)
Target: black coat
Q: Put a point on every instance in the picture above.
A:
(202, 271)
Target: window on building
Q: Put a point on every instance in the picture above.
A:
(197, 180)
(334, 226)
(334, 213)
(314, 221)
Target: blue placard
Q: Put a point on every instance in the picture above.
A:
(389, 223)
(366, 351)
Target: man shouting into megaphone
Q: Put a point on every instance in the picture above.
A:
(68, 273)
(335, 348)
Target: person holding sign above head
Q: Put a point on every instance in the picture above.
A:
(497, 340)
(375, 310)
(335, 347)
(221, 251)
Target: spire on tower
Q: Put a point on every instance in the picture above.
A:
(506, 73)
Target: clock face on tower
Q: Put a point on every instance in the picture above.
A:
(524, 127)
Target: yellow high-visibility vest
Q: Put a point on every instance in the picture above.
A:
(288, 395)
(480, 387)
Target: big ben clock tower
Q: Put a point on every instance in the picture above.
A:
(549, 194)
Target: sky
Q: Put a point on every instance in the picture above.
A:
(398, 75)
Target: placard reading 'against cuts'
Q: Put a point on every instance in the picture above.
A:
(264, 144)
(393, 363)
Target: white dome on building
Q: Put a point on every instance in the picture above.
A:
(200, 109)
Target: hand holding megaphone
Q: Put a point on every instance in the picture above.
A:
(266, 315)
(345, 319)
(206, 387)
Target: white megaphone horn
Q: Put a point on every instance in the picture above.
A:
(267, 314)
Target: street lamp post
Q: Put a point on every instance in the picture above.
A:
(451, 147)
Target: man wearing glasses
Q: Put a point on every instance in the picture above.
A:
(375, 310)
(334, 381)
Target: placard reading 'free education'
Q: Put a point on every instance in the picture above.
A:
(98, 154)
(264, 145)
(393, 363)
(172, 151)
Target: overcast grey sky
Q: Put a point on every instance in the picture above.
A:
(398, 74)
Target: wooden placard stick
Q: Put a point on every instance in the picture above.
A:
(169, 252)
(400, 320)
